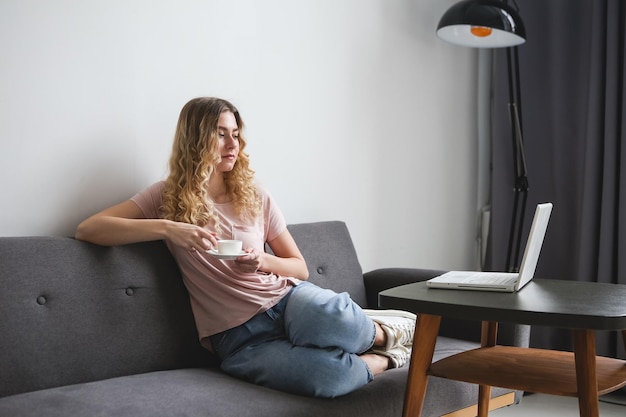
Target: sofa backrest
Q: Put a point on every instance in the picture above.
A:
(331, 257)
(73, 312)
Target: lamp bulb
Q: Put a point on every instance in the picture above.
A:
(480, 31)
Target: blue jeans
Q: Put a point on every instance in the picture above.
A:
(307, 344)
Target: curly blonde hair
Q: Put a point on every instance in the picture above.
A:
(194, 156)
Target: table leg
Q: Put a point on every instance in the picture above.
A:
(586, 378)
(488, 337)
(426, 331)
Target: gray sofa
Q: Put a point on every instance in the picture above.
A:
(95, 331)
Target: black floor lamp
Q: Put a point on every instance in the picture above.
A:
(496, 24)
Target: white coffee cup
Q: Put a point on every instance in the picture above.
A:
(229, 247)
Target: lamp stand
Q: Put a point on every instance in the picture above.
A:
(520, 189)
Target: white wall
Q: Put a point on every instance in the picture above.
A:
(354, 109)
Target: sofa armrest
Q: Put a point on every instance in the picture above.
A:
(381, 279)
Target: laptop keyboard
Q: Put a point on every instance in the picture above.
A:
(496, 279)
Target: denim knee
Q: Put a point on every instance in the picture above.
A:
(319, 317)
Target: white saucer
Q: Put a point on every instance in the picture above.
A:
(225, 257)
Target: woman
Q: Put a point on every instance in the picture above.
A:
(257, 312)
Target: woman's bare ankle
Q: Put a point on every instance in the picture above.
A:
(377, 363)
(381, 337)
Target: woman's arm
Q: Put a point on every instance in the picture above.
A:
(125, 223)
(286, 261)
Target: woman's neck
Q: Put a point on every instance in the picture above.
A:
(218, 190)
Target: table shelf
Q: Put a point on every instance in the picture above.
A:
(527, 369)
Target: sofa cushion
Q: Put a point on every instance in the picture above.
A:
(194, 392)
(209, 392)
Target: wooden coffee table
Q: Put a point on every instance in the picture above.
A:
(581, 307)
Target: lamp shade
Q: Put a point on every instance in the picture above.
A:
(482, 24)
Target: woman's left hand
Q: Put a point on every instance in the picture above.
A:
(251, 261)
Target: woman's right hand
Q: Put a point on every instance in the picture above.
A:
(190, 236)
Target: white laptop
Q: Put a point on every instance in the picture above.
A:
(502, 281)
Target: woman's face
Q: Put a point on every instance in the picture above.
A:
(228, 136)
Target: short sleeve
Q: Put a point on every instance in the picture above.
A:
(275, 222)
(150, 200)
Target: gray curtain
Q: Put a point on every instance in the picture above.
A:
(572, 74)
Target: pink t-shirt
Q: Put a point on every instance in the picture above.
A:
(222, 295)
